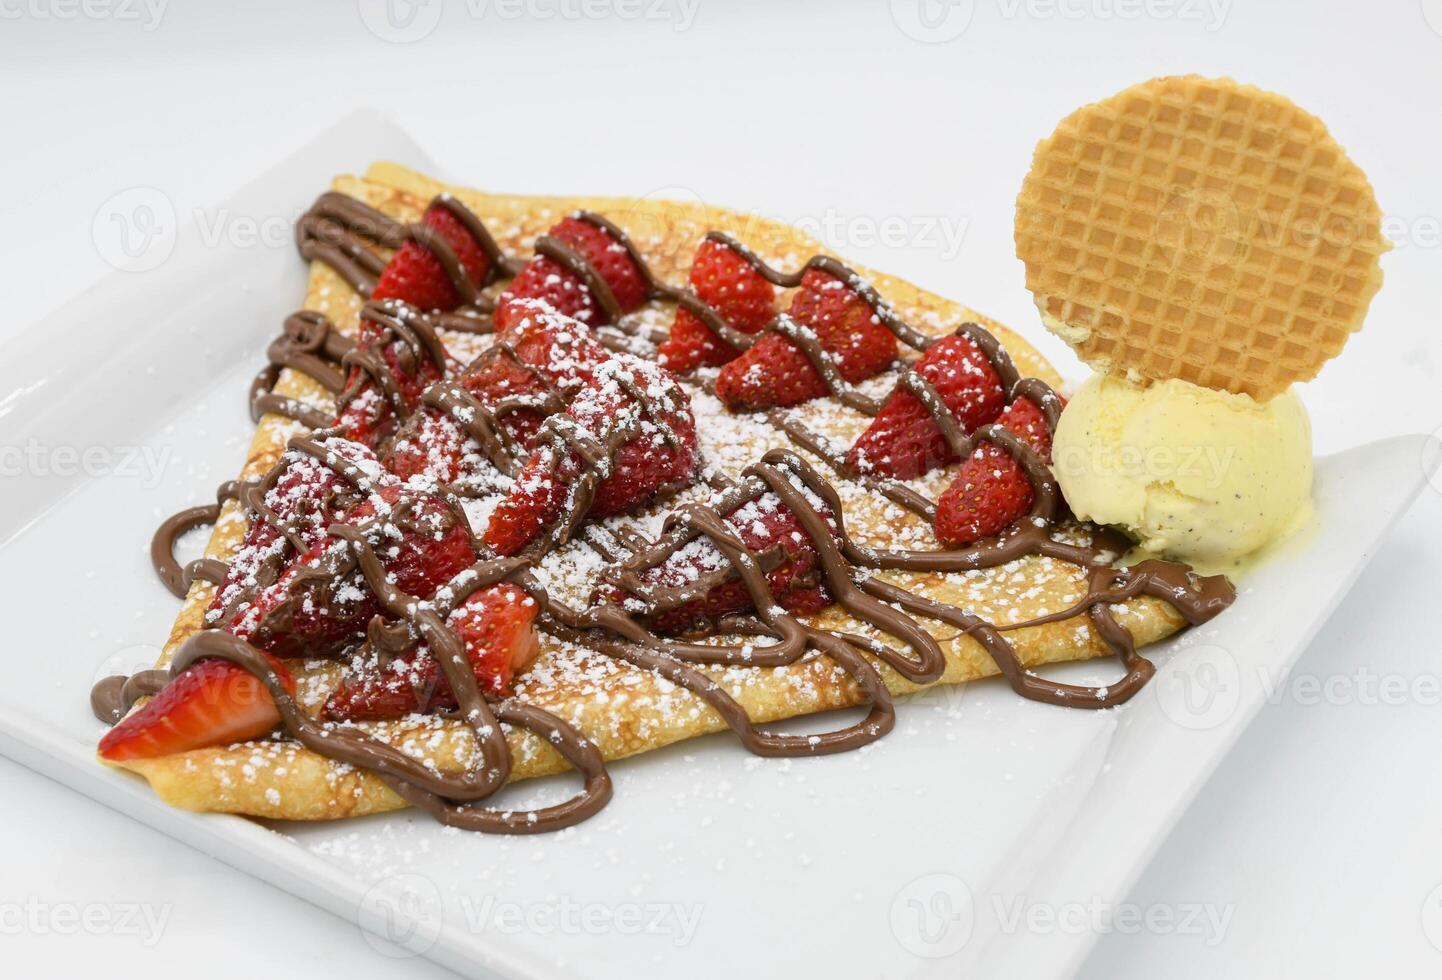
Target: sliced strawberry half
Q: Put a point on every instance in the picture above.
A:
(609, 256)
(213, 702)
(306, 498)
(773, 533)
(904, 441)
(367, 414)
(312, 612)
(776, 372)
(555, 353)
(726, 281)
(496, 626)
(661, 454)
(992, 491)
(414, 275)
(545, 279)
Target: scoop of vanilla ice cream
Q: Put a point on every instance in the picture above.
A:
(1192, 473)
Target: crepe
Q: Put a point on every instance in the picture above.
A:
(624, 709)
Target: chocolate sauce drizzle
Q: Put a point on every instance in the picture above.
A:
(852, 572)
(339, 231)
(337, 228)
(176, 578)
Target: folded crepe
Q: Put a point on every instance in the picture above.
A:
(625, 709)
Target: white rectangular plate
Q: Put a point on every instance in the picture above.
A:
(891, 861)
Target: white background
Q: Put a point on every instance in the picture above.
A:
(901, 143)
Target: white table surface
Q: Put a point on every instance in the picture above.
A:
(1316, 841)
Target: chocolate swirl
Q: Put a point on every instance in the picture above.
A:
(162, 545)
(338, 228)
(339, 231)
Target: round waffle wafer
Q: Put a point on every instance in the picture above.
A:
(1199, 229)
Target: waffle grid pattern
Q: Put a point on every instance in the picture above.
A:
(1200, 229)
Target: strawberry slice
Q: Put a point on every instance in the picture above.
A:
(367, 415)
(494, 624)
(306, 498)
(609, 256)
(545, 279)
(727, 282)
(767, 527)
(414, 275)
(315, 609)
(213, 702)
(556, 353)
(776, 372)
(904, 441)
(662, 454)
(991, 491)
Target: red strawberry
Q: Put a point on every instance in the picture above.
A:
(728, 283)
(609, 256)
(312, 611)
(763, 524)
(495, 624)
(415, 276)
(776, 372)
(662, 455)
(367, 415)
(556, 353)
(433, 445)
(992, 490)
(213, 702)
(561, 348)
(548, 281)
(307, 497)
(545, 279)
(904, 440)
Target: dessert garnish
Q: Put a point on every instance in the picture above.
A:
(1203, 245)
